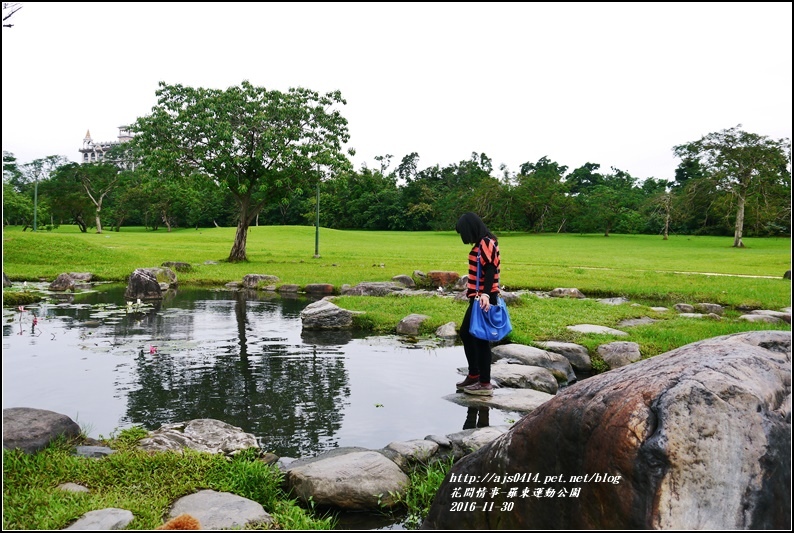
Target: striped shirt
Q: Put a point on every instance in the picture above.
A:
(489, 255)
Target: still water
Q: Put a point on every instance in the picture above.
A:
(239, 357)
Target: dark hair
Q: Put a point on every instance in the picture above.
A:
(472, 229)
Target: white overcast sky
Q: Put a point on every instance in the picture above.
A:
(617, 84)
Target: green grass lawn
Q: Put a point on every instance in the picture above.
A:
(683, 268)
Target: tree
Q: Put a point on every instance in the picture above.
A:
(739, 163)
(37, 171)
(97, 180)
(261, 145)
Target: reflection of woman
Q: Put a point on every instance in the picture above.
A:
(477, 417)
(473, 231)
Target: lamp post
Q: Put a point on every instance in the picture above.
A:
(317, 223)
(35, 202)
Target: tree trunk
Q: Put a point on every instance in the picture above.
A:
(737, 233)
(238, 248)
(98, 222)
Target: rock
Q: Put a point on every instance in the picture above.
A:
(373, 288)
(577, 354)
(32, 430)
(408, 453)
(506, 399)
(786, 317)
(289, 288)
(684, 308)
(787, 274)
(6, 281)
(631, 322)
(204, 434)
(410, 325)
(520, 376)
(621, 353)
(566, 293)
(659, 309)
(145, 283)
(443, 278)
(599, 330)
(64, 282)
(358, 480)
(178, 266)
(695, 438)
(447, 331)
(321, 289)
(710, 308)
(260, 281)
(529, 355)
(769, 319)
(323, 314)
(404, 280)
(85, 277)
(221, 510)
(94, 452)
(614, 301)
(103, 519)
(72, 487)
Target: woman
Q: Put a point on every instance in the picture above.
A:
(473, 231)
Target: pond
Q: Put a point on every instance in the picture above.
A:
(239, 357)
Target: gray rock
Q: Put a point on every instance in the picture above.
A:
(179, 266)
(708, 308)
(260, 281)
(324, 314)
(621, 353)
(94, 452)
(566, 293)
(359, 480)
(507, 399)
(405, 280)
(72, 487)
(64, 282)
(204, 434)
(521, 376)
(410, 325)
(785, 316)
(409, 453)
(614, 301)
(631, 322)
(372, 288)
(575, 353)
(769, 319)
(103, 519)
(529, 355)
(6, 281)
(447, 331)
(684, 308)
(32, 430)
(599, 330)
(221, 510)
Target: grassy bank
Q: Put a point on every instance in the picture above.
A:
(143, 483)
(683, 268)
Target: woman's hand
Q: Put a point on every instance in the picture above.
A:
(484, 301)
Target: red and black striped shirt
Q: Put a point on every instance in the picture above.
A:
(489, 255)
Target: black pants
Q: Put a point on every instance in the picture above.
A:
(478, 351)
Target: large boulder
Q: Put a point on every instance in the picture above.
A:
(696, 438)
(323, 314)
(32, 430)
(352, 479)
(149, 283)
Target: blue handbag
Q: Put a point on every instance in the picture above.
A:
(493, 325)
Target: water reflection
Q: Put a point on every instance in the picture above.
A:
(239, 357)
(477, 417)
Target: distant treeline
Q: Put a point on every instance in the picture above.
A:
(541, 197)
